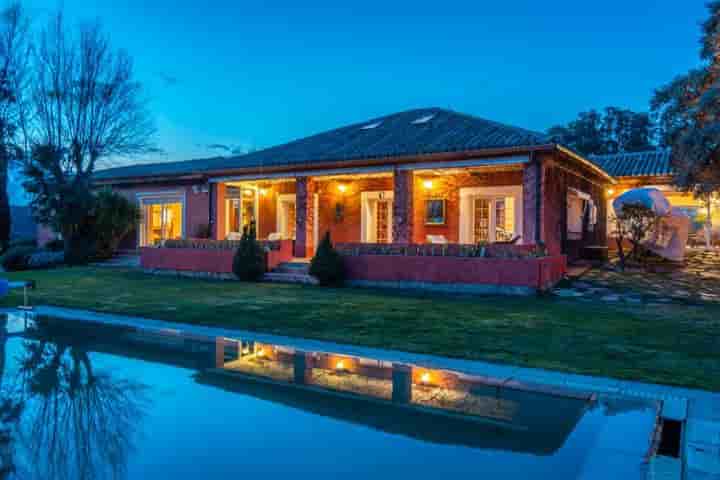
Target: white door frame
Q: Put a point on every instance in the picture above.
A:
(367, 233)
(281, 213)
(467, 212)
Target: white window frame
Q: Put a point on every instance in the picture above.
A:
(256, 197)
(467, 210)
(174, 196)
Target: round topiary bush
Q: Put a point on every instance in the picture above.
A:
(249, 259)
(16, 258)
(327, 264)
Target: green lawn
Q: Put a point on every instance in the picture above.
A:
(672, 344)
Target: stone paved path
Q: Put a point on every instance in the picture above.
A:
(697, 281)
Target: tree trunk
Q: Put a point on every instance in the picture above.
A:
(5, 213)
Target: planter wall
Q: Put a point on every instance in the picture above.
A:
(206, 260)
(528, 273)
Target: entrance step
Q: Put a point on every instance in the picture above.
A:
(294, 268)
(302, 278)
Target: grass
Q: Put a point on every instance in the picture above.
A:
(672, 344)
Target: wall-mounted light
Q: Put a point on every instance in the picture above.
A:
(425, 378)
(340, 365)
(342, 188)
(428, 184)
(610, 191)
(248, 193)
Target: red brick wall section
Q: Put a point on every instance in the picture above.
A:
(531, 171)
(219, 220)
(340, 212)
(555, 184)
(448, 187)
(540, 273)
(403, 218)
(304, 190)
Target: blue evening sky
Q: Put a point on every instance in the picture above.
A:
(249, 74)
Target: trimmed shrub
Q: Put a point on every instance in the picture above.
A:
(45, 259)
(55, 245)
(16, 258)
(327, 264)
(249, 259)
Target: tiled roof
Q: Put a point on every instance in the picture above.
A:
(414, 132)
(636, 164)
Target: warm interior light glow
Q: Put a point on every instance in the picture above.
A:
(610, 191)
(428, 184)
(248, 193)
(340, 365)
(342, 188)
(263, 191)
(425, 377)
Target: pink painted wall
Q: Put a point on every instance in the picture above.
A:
(211, 260)
(540, 273)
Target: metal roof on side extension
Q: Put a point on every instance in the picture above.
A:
(653, 163)
(413, 132)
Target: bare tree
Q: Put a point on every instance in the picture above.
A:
(87, 106)
(14, 56)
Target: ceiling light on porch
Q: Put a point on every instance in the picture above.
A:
(425, 378)
(340, 365)
(342, 188)
(610, 191)
(428, 184)
(248, 193)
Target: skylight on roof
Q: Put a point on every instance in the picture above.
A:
(371, 126)
(423, 119)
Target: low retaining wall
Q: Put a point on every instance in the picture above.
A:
(457, 274)
(207, 260)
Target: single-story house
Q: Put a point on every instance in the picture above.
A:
(654, 169)
(413, 183)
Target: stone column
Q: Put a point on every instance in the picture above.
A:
(402, 384)
(302, 372)
(532, 202)
(304, 215)
(403, 185)
(217, 197)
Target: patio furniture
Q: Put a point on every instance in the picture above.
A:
(437, 239)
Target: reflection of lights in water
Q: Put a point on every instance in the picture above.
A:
(425, 378)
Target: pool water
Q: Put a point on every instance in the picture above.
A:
(82, 401)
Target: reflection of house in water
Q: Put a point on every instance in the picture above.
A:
(433, 405)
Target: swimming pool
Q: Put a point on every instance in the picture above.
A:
(92, 402)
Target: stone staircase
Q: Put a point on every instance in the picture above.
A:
(295, 271)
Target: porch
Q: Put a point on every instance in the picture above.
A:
(465, 205)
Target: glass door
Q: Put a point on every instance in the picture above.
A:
(162, 220)
(481, 220)
(493, 219)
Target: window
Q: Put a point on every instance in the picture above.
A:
(161, 219)
(493, 219)
(435, 212)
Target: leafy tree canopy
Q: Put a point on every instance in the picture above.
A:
(613, 130)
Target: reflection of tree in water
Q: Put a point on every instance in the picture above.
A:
(72, 421)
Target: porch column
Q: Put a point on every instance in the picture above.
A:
(304, 217)
(217, 198)
(532, 202)
(403, 183)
